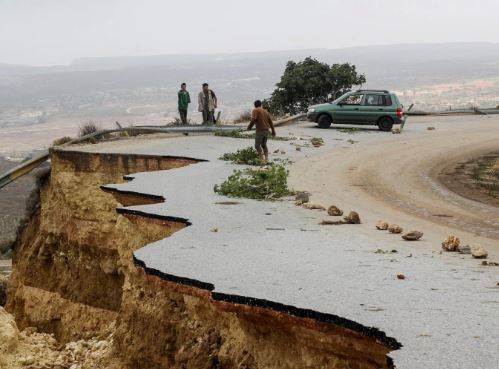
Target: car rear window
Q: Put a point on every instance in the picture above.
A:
(378, 100)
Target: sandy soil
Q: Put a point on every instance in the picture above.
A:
(394, 177)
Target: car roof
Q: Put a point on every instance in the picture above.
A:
(375, 91)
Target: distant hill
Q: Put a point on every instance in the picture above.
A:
(111, 85)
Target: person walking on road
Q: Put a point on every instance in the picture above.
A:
(207, 103)
(184, 99)
(264, 126)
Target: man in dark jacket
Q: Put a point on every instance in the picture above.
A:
(184, 100)
(264, 126)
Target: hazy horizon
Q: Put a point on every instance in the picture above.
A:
(56, 32)
(235, 53)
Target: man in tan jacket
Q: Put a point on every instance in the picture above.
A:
(264, 126)
(207, 103)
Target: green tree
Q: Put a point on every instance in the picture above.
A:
(311, 82)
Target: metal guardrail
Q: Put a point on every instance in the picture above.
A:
(28, 165)
(475, 111)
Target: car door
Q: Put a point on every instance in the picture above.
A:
(373, 107)
(348, 109)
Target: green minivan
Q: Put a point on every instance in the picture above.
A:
(367, 107)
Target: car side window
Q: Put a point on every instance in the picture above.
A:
(372, 99)
(387, 100)
(354, 99)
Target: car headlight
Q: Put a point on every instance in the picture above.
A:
(311, 110)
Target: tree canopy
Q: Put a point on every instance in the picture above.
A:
(311, 82)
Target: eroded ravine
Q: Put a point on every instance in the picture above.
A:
(74, 276)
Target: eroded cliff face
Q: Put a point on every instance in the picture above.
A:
(71, 259)
(74, 276)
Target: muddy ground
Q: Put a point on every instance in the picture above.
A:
(476, 179)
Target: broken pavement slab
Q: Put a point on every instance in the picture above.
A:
(327, 272)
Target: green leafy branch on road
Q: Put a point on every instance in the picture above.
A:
(248, 156)
(261, 184)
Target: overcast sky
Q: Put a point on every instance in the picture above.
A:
(45, 32)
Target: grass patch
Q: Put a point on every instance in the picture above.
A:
(240, 134)
(61, 140)
(261, 184)
(486, 174)
(248, 156)
(349, 130)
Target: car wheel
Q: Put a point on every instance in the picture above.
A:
(324, 121)
(385, 124)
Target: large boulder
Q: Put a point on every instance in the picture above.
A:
(382, 225)
(9, 334)
(395, 229)
(352, 218)
(412, 236)
(302, 197)
(334, 211)
(311, 206)
(451, 243)
(478, 252)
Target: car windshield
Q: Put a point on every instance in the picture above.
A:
(341, 98)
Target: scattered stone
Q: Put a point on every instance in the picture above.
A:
(489, 263)
(395, 229)
(412, 236)
(400, 276)
(352, 218)
(227, 203)
(302, 197)
(276, 151)
(334, 211)
(317, 141)
(464, 249)
(26, 360)
(214, 230)
(298, 148)
(381, 225)
(332, 222)
(311, 206)
(478, 252)
(430, 128)
(451, 243)
(381, 251)
(396, 130)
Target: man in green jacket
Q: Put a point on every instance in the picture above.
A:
(184, 100)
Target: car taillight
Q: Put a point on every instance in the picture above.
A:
(400, 113)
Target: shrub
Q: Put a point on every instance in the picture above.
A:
(261, 184)
(243, 117)
(247, 156)
(61, 140)
(88, 128)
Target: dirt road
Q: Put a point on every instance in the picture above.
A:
(395, 177)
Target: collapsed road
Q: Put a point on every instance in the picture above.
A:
(269, 288)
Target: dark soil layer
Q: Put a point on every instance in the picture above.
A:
(476, 179)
